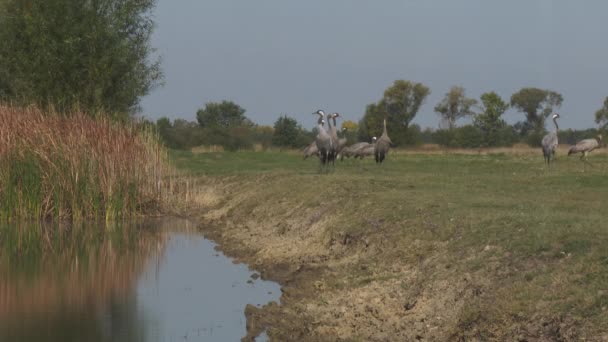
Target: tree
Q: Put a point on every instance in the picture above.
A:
(601, 116)
(350, 131)
(537, 104)
(225, 114)
(286, 131)
(371, 123)
(489, 121)
(454, 106)
(350, 125)
(90, 55)
(399, 106)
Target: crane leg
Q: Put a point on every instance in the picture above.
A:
(585, 161)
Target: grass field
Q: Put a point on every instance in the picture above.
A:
(491, 242)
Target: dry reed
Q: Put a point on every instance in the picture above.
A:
(75, 166)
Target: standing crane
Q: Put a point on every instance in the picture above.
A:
(550, 142)
(333, 133)
(342, 142)
(382, 145)
(323, 140)
(585, 146)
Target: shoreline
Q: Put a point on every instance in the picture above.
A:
(361, 274)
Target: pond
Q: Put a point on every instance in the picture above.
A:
(158, 281)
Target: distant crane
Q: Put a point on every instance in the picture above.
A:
(333, 133)
(550, 142)
(323, 140)
(342, 142)
(382, 145)
(585, 146)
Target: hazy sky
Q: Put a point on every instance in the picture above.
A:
(277, 57)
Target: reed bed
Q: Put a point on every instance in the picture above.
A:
(76, 167)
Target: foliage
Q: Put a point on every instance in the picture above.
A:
(350, 130)
(184, 135)
(601, 115)
(350, 125)
(399, 106)
(467, 136)
(286, 131)
(455, 105)
(90, 55)
(221, 115)
(489, 121)
(571, 137)
(537, 104)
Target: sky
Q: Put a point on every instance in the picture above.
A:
(275, 57)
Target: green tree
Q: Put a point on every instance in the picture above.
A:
(601, 116)
(454, 106)
(91, 55)
(537, 104)
(489, 121)
(286, 131)
(399, 106)
(350, 131)
(225, 114)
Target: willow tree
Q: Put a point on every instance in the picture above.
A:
(94, 55)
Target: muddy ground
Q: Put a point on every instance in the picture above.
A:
(369, 283)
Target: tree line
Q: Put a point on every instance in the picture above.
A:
(225, 123)
(95, 57)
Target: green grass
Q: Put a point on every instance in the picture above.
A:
(539, 237)
(234, 163)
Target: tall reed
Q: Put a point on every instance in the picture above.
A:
(76, 167)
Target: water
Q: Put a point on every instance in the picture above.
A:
(163, 284)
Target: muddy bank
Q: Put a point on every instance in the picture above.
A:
(353, 273)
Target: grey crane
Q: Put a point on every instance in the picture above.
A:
(311, 150)
(585, 146)
(382, 146)
(367, 150)
(550, 142)
(352, 150)
(333, 133)
(323, 140)
(342, 141)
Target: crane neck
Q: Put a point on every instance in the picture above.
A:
(556, 126)
(384, 131)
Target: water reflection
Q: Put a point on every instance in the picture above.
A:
(160, 282)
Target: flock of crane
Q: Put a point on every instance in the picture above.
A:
(328, 147)
(550, 142)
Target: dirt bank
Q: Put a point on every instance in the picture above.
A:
(350, 271)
